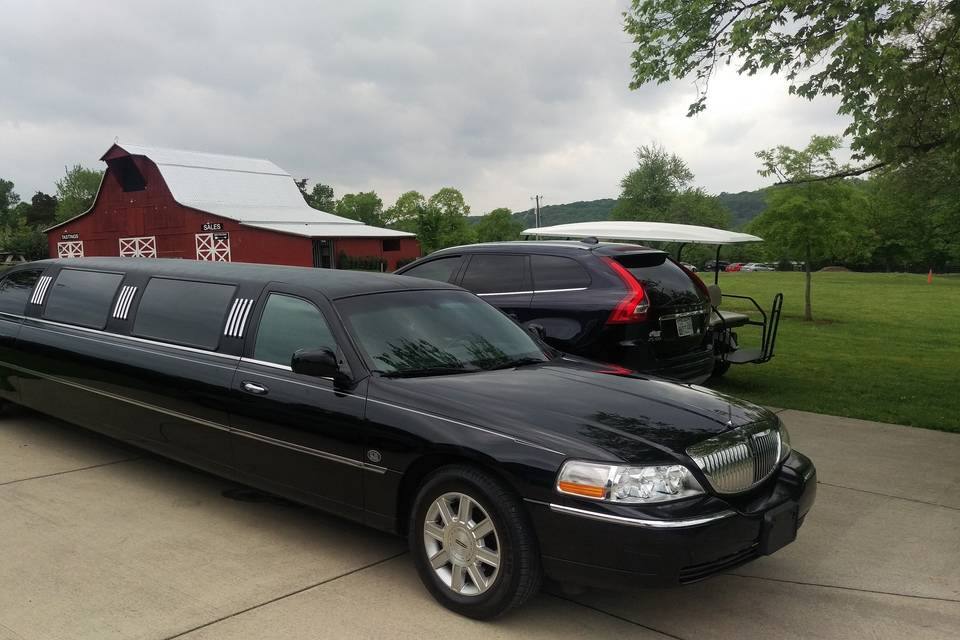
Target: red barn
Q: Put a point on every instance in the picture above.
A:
(164, 203)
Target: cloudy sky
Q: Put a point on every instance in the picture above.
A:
(502, 99)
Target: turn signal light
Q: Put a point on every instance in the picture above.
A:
(581, 489)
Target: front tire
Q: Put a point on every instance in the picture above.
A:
(472, 545)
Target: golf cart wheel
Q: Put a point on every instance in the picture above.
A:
(472, 544)
(720, 367)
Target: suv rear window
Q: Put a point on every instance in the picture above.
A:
(183, 312)
(556, 272)
(666, 283)
(496, 273)
(82, 297)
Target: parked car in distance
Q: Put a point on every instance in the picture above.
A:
(620, 303)
(411, 406)
(734, 266)
(692, 268)
(756, 266)
(712, 265)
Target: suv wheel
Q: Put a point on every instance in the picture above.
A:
(472, 545)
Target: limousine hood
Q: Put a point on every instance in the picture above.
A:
(579, 408)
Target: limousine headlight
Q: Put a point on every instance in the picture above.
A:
(632, 485)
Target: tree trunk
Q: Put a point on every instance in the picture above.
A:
(807, 309)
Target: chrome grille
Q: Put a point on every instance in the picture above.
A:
(741, 458)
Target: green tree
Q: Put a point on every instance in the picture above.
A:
(8, 200)
(894, 65)
(816, 220)
(76, 191)
(443, 221)
(43, 210)
(405, 211)
(648, 190)
(498, 226)
(322, 198)
(366, 206)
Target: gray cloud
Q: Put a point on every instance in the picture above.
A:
(501, 99)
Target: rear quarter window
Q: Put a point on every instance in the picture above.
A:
(183, 312)
(82, 297)
(557, 272)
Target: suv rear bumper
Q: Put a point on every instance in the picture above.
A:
(583, 545)
(693, 367)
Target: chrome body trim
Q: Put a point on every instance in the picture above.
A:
(239, 360)
(740, 459)
(122, 307)
(206, 423)
(559, 290)
(237, 319)
(41, 289)
(503, 293)
(122, 337)
(645, 523)
(685, 314)
(269, 364)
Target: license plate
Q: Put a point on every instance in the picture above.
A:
(685, 326)
(779, 527)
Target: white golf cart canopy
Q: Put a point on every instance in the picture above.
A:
(652, 231)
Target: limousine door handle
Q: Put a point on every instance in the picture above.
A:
(254, 388)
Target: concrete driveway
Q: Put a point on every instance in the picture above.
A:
(100, 541)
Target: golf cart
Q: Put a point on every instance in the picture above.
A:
(723, 323)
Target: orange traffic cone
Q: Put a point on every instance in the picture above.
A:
(930, 277)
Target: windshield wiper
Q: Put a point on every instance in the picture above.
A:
(426, 371)
(516, 362)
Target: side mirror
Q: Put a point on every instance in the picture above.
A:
(320, 363)
(537, 331)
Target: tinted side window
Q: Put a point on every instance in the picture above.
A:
(289, 324)
(556, 272)
(82, 297)
(15, 290)
(183, 312)
(492, 273)
(440, 269)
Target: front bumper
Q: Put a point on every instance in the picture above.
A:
(594, 545)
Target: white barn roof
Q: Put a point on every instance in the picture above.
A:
(252, 191)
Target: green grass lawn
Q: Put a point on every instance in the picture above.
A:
(882, 347)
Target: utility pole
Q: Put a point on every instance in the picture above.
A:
(536, 211)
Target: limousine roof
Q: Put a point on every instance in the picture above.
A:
(333, 283)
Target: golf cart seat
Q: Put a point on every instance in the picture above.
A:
(729, 319)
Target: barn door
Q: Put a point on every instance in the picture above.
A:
(213, 247)
(143, 247)
(71, 249)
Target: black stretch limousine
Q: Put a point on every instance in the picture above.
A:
(411, 406)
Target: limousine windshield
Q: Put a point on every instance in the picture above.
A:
(410, 333)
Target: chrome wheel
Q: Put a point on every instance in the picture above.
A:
(461, 544)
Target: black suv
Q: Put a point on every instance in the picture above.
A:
(619, 303)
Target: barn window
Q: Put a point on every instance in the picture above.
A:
(129, 175)
(391, 244)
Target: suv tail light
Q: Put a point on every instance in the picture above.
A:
(634, 307)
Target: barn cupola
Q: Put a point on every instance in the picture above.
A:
(123, 167)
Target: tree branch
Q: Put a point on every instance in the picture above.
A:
(849, 173)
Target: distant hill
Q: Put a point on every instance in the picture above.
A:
(743, 206)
